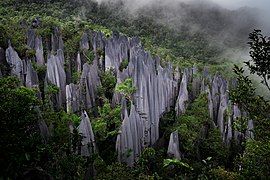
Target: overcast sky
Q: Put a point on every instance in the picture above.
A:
(263, 4)
(231, 4)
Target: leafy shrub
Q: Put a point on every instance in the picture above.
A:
(126, 88)
(108, 82)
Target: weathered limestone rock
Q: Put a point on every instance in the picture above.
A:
(44, 130)
(156, 91)
(181, 103)
(173, 148)
(84, 44)
(116, 50)
(221, 113)
(57, 41)
(215, 96)
(121, 77)
(130, 138)
(88, 84)
(196, 83)
(14, 62)
(249, 133)
(98, 41)
(31, 79)
(72, 96)
(88, 142)
(39, 50)
(79, 63)
(210, 103)
(31, 35)
(56, 75)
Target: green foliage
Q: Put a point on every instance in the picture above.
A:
(126, 88)
(30, 53)
(19, 133)
(106, 127)
(123, 65)
(213, 146)
(52, 89)
(256, 160)
(259, 52)
(190, 124)
(76, 77)
(108, 122)
(108, 82)
(116, 171)
(244, 95)
(222, 174)
(89, 55)
(176, 162)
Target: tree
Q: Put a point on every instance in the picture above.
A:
(260, 54)
(19, 131)
(255, 159)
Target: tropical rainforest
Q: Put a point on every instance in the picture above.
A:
(99, 90)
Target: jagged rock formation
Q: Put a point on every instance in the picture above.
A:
(57, 41)
(88, 142)
(88, 85)
(35, 42)
(98, 41)
(116, 50)
(129, 142)
(31, 79)
(14, 62)
(56, 75)
(72, 96)
(84, 44)
(181, 103)
(173, 148)
(39, 50)
(158, 90)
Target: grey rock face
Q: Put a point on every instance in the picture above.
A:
(31, 79)
(130, 138)
(39, 50)
(56, 75)
(181, 103)
(57, 41)
(44, 130)
(98, 41)
(196, 82)
(84, 44)
(236, 114)
(173, 148)
(249, 133)
(31, 38)
(88, 142)
(156, 91)
(121, 76)
(72, 96)
(221, 113)
(35, 42)
(116, 50)
(14, 62)
(88, 84)
(79, 63)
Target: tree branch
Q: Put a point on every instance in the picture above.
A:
(266, 83)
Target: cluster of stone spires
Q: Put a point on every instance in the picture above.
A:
(158, 90)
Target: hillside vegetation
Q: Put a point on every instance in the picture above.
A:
(99, 91)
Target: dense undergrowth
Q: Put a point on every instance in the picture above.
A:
(204, 155)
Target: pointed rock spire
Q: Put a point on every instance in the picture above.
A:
(173, 148)
(181, 103)
(88, 142)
